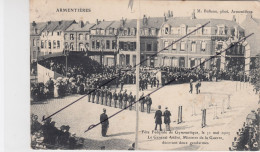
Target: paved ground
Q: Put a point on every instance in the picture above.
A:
(121, 132)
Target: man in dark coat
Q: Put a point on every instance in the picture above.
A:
(102, 95)
(158, 118)
(115, 98)
(97, 95)
(109, 96)
(191, 86)
(149, 103)
(130, 100)
(106, 95)
(167, 120)
(142, 101)
(125, 98)
(93, 94)
(120, 98)
(104, 123)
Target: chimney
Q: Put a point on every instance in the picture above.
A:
(171, 13)
(193, 15)
(81, 24)
(49, 22)
(145, 20)
(123, 21)
(249, 15)
(60, 22)
(97, 22)
(33, 23)
(234, 18)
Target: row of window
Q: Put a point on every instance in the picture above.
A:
(72, 37)
(98, 44)
(47, 33)
(50, 44)
(183, 45)
(124, 32)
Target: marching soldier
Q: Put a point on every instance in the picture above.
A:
(105, 95)
(102, 95)
(125, 99)
(120, 98)
(130, 100)
(115, 98)
(142, 101)
(109, 95)
(149, 103)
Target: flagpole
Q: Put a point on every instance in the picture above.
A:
(137, 74)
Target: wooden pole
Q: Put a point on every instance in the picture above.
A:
(137, 75)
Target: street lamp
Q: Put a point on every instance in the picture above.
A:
(66, 53)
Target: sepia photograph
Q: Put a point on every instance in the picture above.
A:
(144, 75)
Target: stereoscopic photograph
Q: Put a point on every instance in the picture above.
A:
(144, 75)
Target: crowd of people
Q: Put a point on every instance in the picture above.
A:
(47, 136)
(248, 136)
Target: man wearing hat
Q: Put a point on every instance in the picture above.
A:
(120, 98)
(191, 86)
(158, 118)
(104, 123)
(149, 103)
(125, 98)
(142, 101)
(109, 96)
(130, 100)
(167, 120)
(115, 98)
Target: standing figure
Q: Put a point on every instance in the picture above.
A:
(104, 123)
(130, 100)
(198, 84)
(93, 93)
(121, 84)
(167, 114)
(158, 118)
(191, 86)
(120, 98)
(115, 98)
(142, 101)
(105, 95)
(97, 95)
(109, 95)
(102, 95)
(149, 103)
(125, 99)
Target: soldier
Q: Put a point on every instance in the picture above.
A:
(120, 98)
(122, 83)
(130, 100)
(105, 95)
(158, 118)
(149, 103)
(191, 86)
(97, 95)
(142, 101)
(93, 93)
(88, 93)
(167, 120)
(102, 95)
(125, 99)
(198, 84)
(109, 95)
(104, 123)
(115, 98)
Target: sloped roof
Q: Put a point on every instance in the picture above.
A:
(103, 25)
(152, 22)
(39, 26)
(177, 21)
(51, 26)
(75, 27)
(64, 25)
(115, 24)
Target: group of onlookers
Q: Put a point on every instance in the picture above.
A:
(247, 138)
(48, 136)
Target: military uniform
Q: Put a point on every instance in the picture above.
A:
(88, 92)
(125, 99)
(97, 95)
(142, 101)
(109, 96)
(93, 94)
(149, 104)
(104, 124)
(115, 98)
(105, 96)
(120, 98)
(102, 96)
(131, 101)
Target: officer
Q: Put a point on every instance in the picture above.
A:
(158, 118)
(104, 123)
(149, 103)
(120, 98)
(125, 99)
(115, 98)
(131, 101)
(109, 95)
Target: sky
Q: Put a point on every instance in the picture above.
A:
(45, 10)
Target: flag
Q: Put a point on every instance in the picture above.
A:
(130, 4)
